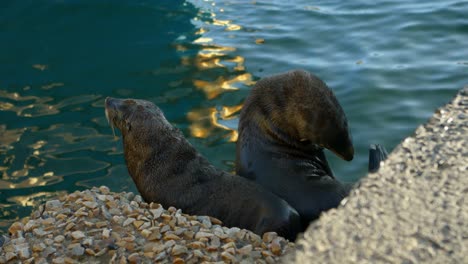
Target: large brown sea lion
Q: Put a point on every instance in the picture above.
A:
(285, 123)
(168, 170)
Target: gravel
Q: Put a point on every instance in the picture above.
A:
(97, 225)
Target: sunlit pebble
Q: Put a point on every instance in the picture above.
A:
(79, 225)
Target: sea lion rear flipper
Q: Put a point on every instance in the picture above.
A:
(377, 153)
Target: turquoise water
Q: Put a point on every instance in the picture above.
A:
(390, 63)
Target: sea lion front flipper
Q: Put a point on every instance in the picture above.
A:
(377, 153)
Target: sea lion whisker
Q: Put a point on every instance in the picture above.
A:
(106, 111)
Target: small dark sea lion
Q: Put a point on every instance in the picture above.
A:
(168, 170)
(285, 123)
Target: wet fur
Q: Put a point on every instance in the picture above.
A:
(284, 125)
(168, 170)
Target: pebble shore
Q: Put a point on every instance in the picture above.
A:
(99, 226)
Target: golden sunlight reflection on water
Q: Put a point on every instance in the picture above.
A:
(211, 56)
(205, 121)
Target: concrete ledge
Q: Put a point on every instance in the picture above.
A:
(413, 210)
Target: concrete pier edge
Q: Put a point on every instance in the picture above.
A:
(413, 210)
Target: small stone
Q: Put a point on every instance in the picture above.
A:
(245, 250)
(24, 252)
(88, 242)
(105, 233)
(255, 254)
(196, 244)
(178, 261)
(229, 245)
(198, 253)
(118, 219)
(15, 227)
(88, 224)
(128, 221)
(212, 248)
(231, 251)
(155, 235)
(145, 225)
(228, 257)
(101, 252)
(90, 252)
(38, 247)
(269, 236)
(53, 205)
(157, 212)
(58, 260)
(49, 250)
(48, 221)
(171, 237)
(232, 232)
(270, 260)
(202, 234)
(145, 233)
(77, 250)
(161, 256)
(148, 247)
(59, 239)
(69, 260)
(81, 212)
(77, 235)
(134, 258)
(30, 225)
(91, 205)
(10, 255)
(138, 223)
(215, 221)
(165, 228)
(166, 217)
(189, 234)
(104, 189)
(149, 255)
(158, 248)
(27, 261)
(101, 224)
(48, 241)
(70, 226)
(39, 232)
(169, 244)
(215, 241)
(178, 250)
(114, 211)
(275, 247)
(61, 217)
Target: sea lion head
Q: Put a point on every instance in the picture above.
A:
(127, 114)
(301, 106)
(321, 120)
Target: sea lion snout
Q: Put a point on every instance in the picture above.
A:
(345, 153)
(341, 145)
